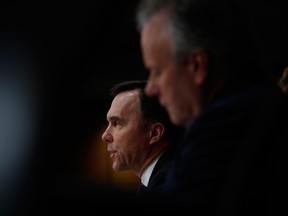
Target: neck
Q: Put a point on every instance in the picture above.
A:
(154, 152)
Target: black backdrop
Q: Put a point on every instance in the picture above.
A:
(70, 54)
(66, 55)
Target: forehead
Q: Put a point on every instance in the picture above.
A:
(155, 30)
(155, 42)
(124, 103)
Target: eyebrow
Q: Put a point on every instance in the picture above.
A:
(115, 118)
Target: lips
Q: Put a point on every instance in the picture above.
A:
(113, 155)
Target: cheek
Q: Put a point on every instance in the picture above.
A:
(165, 81)
(127, 139)
(169, 83)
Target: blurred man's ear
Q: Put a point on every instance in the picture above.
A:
(198, 61)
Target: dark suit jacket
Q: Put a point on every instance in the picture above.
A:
(231, 157)
(158, 175)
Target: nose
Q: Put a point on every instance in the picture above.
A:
(107, 137)
(151, 89)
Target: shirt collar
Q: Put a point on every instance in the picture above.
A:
(148, 171)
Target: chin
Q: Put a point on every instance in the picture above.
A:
(177, 121)
(115, 167)
(174, 121)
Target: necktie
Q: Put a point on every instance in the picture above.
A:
(142, 189)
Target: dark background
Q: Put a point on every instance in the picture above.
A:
(76, 52)
(64, 57)
(61, 59)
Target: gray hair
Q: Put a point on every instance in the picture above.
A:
(216, 26)
(182, 40)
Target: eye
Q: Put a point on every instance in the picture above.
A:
(155, 72)
(116, 124)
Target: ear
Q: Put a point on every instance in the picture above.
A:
(156, 132)
(198, 61)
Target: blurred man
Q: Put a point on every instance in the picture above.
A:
(205, 69)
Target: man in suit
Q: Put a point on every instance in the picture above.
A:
(204, 67)
(139, 135)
